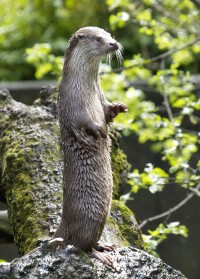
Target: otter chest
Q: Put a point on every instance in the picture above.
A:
(94, 107)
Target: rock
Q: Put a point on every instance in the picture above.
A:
(128, 262)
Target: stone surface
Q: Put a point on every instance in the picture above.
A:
(128, 262)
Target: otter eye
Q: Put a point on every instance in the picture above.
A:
(98, 39)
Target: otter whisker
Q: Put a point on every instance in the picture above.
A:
(119, 55)
(109, 59)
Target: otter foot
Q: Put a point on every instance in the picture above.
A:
(104, 246)
(102, 257)
(56, 244)
(114, 110)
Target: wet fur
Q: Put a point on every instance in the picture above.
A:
(84, 114)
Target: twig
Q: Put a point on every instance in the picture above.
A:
(195, 191)
(171, 210)
(161, 9)
(170, 52)
(159, 57)
(169, 111)
(166, 101)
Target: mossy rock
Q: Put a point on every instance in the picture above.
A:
(121, 227)
(31, 173)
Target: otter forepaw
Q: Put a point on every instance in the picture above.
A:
(104, 246)
(114, 110)
(102, 257)
(95, 130)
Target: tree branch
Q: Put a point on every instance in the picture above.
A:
(159, 57)
(165, 97)
(195, 191)
(171, 210)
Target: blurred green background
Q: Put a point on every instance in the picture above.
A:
(160, 83)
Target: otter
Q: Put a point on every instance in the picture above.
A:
(84, 115)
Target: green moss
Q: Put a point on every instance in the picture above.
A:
(126, 224)
(119, 166)
(30, 157)
(116, 235)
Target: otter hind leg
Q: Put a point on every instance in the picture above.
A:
(105, 246)
(98, 252)
(57, 244)
(102, 257)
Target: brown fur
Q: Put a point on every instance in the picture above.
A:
(84, 114)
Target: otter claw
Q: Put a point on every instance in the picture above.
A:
(102, 257)
(114, 110)
(104, 246)
(119, 107)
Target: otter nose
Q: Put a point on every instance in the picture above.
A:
(114, 45)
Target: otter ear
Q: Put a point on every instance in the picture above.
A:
(80, 36)
(73, 41)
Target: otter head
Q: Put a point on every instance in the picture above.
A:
(93, 42)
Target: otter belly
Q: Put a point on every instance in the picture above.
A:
(87, 191)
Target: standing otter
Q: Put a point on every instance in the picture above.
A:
(84, 114)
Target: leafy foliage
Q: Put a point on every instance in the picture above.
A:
(24, 23)
(166, 124)
(157, 236)
(152, 179)
(45, 62)
(173, 125)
